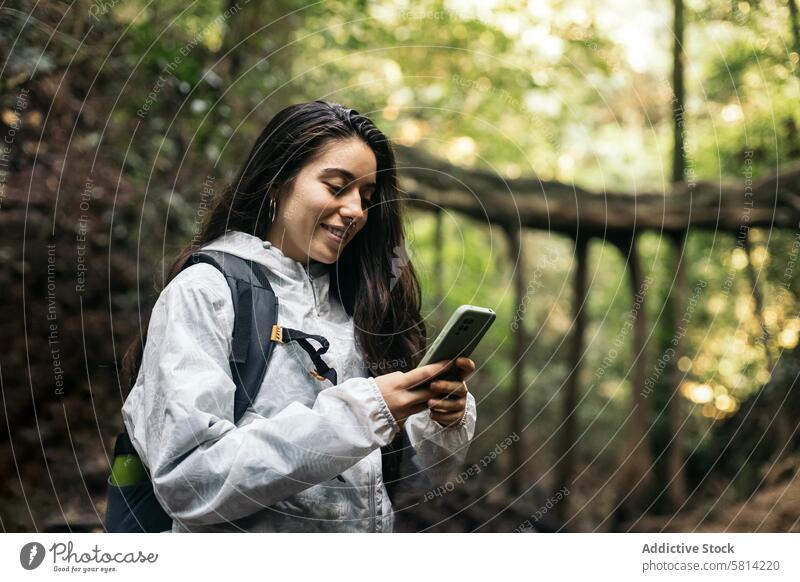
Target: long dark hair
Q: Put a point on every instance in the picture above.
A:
(372, 278)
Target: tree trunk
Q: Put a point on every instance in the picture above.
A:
(438, 263)
(794, 18)
(676, 483)
(566, 208)
(678, 118)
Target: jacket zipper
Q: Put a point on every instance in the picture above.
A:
(313, 292)
(371, 497)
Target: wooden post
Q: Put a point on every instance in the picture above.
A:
(676, 476)
(568, 434)
(634, 474)
(517, 255)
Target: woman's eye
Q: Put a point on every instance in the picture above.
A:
(334, 190)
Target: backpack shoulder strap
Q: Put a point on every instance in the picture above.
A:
(255, 308)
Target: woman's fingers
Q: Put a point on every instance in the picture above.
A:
(451, 372)
(447, 405)
(447, 418)
(465, 364)
(423, 374)
(419, 395)
(464, 368)
(451, 388)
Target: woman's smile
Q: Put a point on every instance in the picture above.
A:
(335, 234)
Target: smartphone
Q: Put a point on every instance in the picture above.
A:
(460, 335)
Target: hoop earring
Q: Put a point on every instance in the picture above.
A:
(272, 208)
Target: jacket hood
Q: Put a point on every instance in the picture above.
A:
(303, 288)
(264, 252)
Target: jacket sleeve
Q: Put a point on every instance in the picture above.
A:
(179, 416)
(433, 454)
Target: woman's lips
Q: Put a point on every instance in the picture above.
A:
(333, 236)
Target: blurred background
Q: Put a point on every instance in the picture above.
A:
(619, 180)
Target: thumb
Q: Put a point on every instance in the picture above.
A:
(424, 373)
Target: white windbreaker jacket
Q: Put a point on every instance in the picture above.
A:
(276, 470)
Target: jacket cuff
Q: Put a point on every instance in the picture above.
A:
(383, 409)
(451, 427)
(453, 435)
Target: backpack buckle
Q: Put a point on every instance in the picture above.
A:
(316, 375)
(277, 334)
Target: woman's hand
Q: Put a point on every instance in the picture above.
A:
(450, 403)
(408, 393)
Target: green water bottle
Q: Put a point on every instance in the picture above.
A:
(128, 468)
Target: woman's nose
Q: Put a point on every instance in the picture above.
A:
(351, 206)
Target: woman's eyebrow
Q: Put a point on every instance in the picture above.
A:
(349, 177)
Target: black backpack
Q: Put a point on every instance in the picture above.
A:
(135, 508)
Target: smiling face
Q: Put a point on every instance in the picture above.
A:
(329, 193)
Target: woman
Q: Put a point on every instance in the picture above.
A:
(316, 204)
